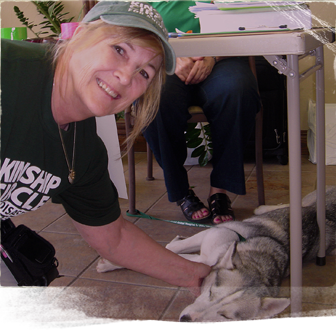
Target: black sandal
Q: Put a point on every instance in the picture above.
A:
(191, 204)
(220, 205)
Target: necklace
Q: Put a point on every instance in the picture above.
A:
(72, 173)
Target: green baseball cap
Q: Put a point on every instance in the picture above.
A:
(134, 14)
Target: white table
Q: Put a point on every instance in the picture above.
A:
(295, 45)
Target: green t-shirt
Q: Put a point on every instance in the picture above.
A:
(33, 165)
(176, 14)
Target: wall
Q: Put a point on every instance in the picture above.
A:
(323, 13)
(9, 19)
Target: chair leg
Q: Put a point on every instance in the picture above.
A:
(259, 157)
(149, 164)
(258, 143)
(131, 165)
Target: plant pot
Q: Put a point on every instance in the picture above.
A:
(42, 40)
(68, 29)
(14, 33)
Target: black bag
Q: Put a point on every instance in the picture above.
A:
(28, 256)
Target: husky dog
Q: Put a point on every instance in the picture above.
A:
(249, 259)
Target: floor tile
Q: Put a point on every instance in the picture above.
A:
(128, 295)
(116, 300)
(73, 253)
(182, 299)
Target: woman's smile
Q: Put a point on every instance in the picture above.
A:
(107, 89)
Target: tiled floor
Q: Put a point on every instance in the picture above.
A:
(126, 295)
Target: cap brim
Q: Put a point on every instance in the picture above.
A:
(131, 21)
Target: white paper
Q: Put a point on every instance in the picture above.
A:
(245, 16)
(107, 130)
(330, 132)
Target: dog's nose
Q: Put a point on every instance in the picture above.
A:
(185, 318)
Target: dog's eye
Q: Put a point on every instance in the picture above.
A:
(210, 294)
(223, 315)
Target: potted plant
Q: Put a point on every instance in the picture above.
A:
(198, 138)
(52, 11)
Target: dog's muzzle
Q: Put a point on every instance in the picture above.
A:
(185, 318)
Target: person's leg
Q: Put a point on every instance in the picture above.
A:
(165, 136)
(16, 307)
(230, 100)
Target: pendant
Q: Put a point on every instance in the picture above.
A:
(71, 176)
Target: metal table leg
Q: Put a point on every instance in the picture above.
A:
(291, 69)
(295, 194)
(320, 155)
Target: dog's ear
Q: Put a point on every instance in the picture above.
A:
(230, 259)
(272, 306)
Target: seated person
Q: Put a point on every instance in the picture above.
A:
(227, 91)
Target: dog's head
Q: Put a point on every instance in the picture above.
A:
(225, 297)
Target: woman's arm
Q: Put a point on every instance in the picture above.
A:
(124, 244)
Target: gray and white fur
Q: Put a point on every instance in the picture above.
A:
(246, 274)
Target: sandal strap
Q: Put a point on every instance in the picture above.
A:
(220, 204)
(191, 204)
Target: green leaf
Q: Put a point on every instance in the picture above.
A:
(198, 151)
(191, 135)
(207, 130)
(195, 143)
(203, 159)
(51, 9)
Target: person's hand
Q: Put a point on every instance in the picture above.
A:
(193, 70)
(200, 71)
(183, 67)
(200, 274)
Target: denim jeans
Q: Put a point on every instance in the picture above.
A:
(229, 98)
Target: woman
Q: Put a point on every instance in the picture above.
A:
(50, 148)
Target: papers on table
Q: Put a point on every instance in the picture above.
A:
(251, 16)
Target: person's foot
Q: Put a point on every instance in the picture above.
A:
(201, 214)
(193, 209)
(220, 206)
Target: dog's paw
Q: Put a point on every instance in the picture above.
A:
(261, 209)
(106, 266)
(176, 239)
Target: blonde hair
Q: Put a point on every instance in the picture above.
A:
(146, 107)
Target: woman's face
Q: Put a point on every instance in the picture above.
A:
(106, 78)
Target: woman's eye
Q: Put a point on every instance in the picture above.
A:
(144, 74)
(119, 50)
